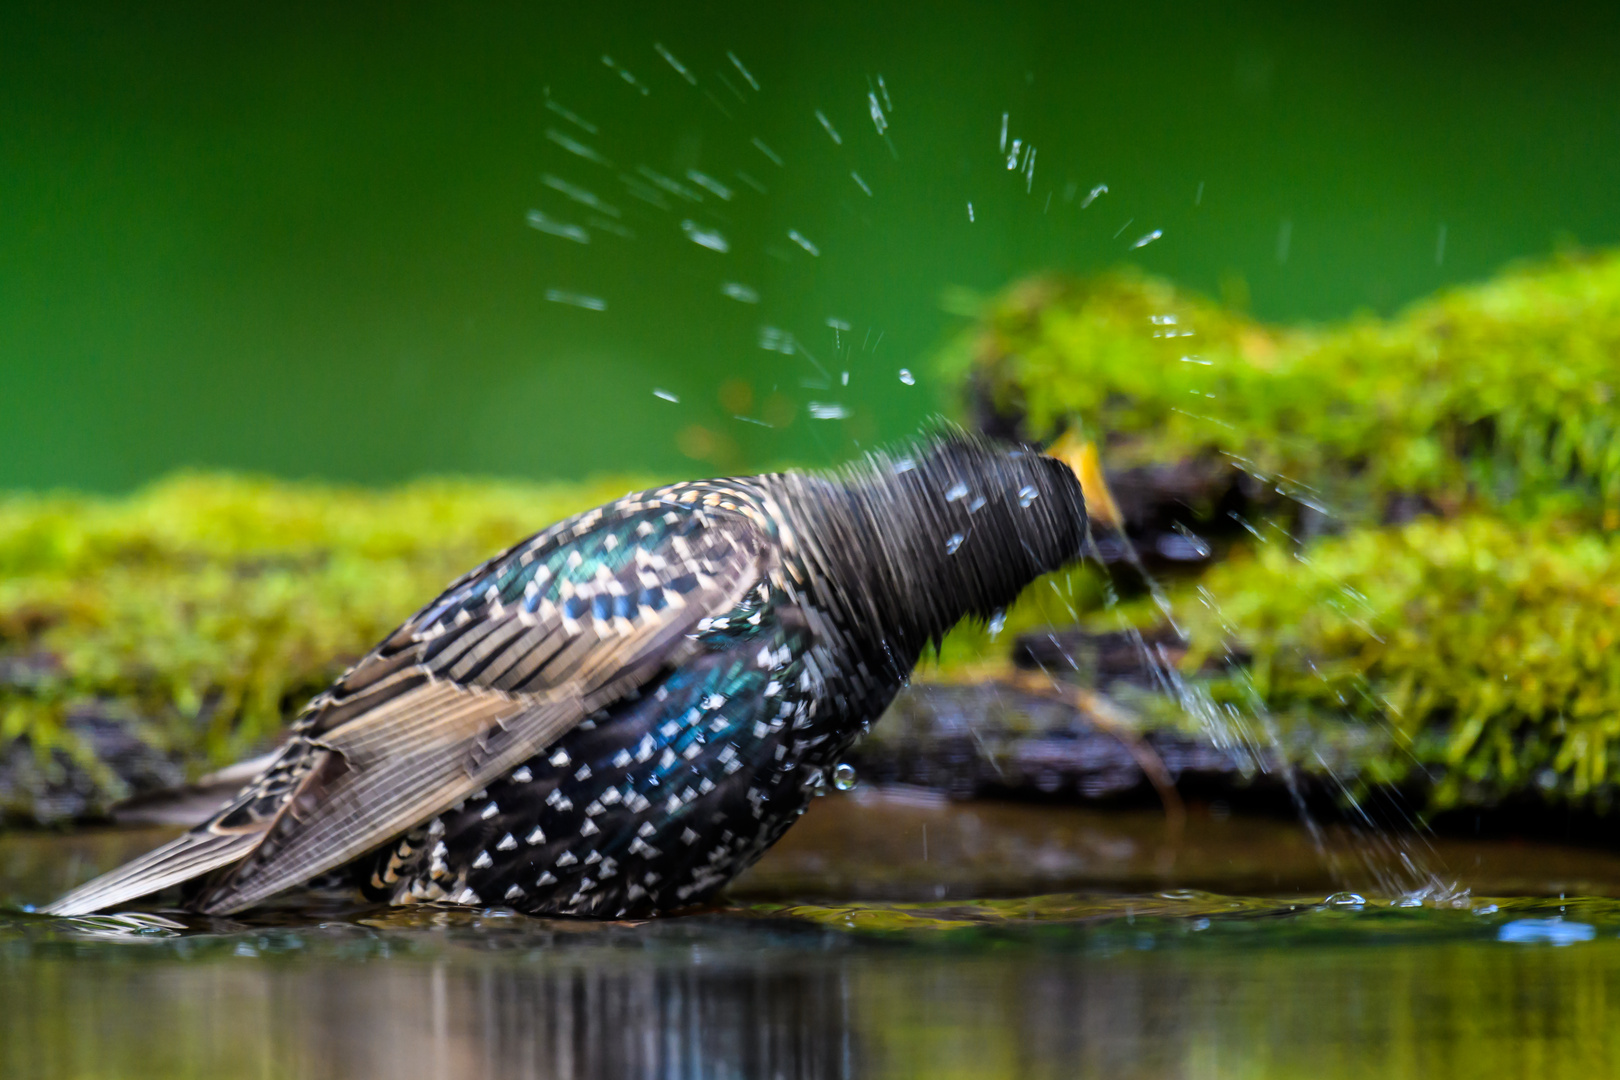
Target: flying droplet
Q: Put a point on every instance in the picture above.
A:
(579, 300)
(1027, 494)
(704, 237)
(998, 623)
(954, 543)
(828, 127)
(907, 377)
(798, 238)
(844, 776)
(666, 395)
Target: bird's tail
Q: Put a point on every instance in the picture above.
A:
(186, 857)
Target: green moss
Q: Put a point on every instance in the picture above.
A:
(1487, 646)
(206, 608)
(1502, 394)
(1482, 639)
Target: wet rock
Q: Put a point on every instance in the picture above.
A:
(995, 739)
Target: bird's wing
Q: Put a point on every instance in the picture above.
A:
(507, 659)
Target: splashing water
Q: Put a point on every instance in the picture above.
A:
(827, 126)
(799, 238)
(704, 236)
(706, 184)
(579, 300)
(553, 227)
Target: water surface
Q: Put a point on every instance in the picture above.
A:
(1031, 941)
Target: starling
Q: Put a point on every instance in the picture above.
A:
(620, 714)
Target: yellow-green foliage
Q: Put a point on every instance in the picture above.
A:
(1489, 647)
(206, 607)
(1484, 639)
(1492, 392)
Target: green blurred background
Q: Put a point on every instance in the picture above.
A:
(292, 238)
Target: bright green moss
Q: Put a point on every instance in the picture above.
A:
(1488, 647)
(1505, 393)
(206, 608)
(1483, 639)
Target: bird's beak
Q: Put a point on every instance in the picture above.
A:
(1081, 456)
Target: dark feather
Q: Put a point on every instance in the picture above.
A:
(621, 713)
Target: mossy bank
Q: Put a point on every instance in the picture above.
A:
(1392, 536)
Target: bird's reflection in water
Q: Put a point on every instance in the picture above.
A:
(605, 1021)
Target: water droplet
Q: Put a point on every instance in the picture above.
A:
(1554, 931)
(953, 543)
(878, 119)
(709, 184)
(775, 158)
(740, 292)
(666, 395)
(798, 238)
(669, 58)
(826, 124)
(907, 377)
(970, 213)
(1144, 241)
(705, 237)
(579, 194)
(577, 148)
(1027, 494)
(552, 226)
(1091, 196)
(590, 303)
(998, 623)
(775, 339)
(1350, 900)
(738, 64)
(827, 410)
(844, 776)
(958, 491)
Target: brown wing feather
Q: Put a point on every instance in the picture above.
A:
(181, 859)
(452, 700)
(419, 751)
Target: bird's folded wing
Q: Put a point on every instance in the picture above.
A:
(181, 859)
(512, 655)
(490, 683)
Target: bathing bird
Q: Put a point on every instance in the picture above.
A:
(618, 715)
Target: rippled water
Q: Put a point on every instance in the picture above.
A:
(1221, 987)
(848, 952)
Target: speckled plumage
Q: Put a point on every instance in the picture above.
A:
(618, 715)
